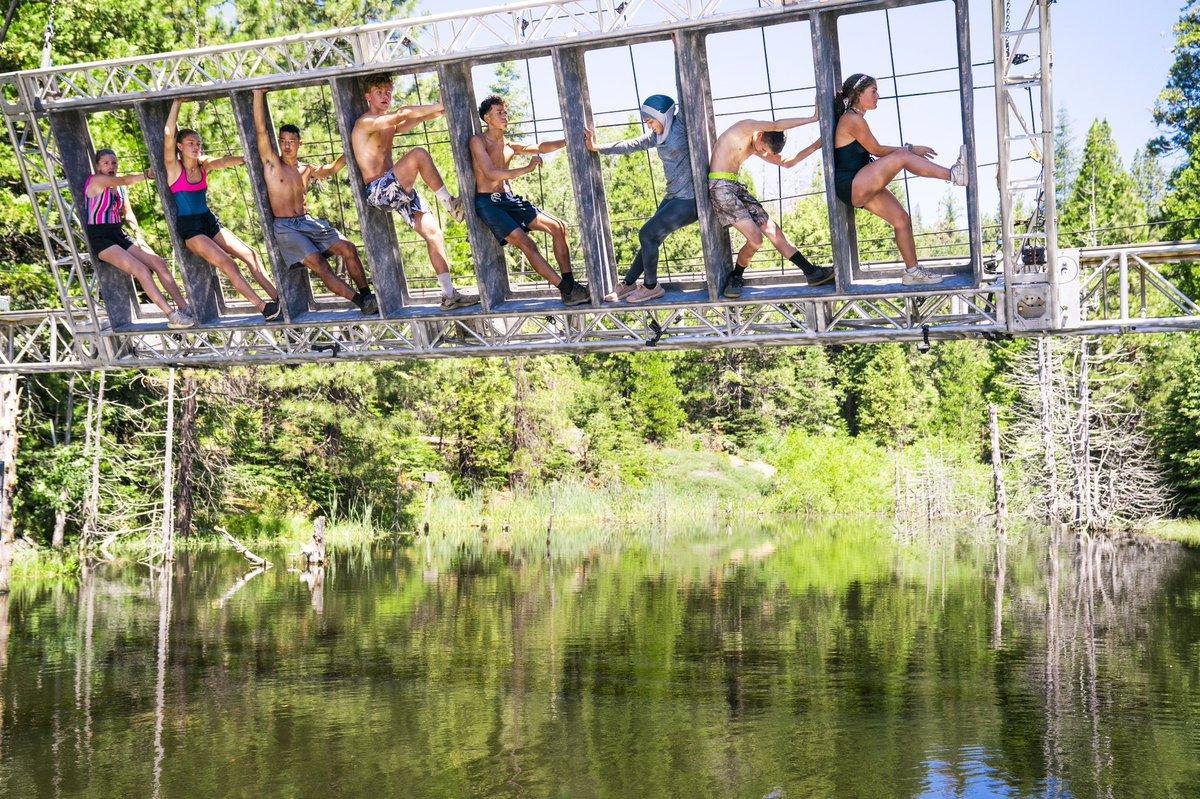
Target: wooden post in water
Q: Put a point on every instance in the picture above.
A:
(431, 479)
(8, 472)
(997, 469)
(168, 516)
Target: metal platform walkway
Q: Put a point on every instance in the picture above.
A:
(1027, 288)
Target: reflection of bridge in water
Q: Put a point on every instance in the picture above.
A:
(1028, 287)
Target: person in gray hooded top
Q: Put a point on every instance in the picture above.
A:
(668, 134)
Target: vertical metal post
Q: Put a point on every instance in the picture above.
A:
(76, 153)
(295, 289)
(378, 227)
(966, 94)
(1050, 212)
(695, 94)
(587, 181)
(827, 62)
(462, 120)
(203, 284)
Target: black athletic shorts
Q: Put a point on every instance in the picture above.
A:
(205, 224)
(504, 212)
(101, 237)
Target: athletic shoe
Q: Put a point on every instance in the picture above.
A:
(366, 302)
(459, 300)
(272, 311)
(820, 276)
(921, 277)
(177, 320)
(733, 286)
(958, 172)
(456, 210)
(620, 292)
(643, 294)
(578, 295)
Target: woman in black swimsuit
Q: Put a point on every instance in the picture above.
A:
(861, 181)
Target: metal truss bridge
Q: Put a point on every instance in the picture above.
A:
(1028, 287)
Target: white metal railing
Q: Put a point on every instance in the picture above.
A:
(388, 44)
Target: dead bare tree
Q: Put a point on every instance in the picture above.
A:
(1077, 437)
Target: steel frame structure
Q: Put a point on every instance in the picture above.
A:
(1088, 291)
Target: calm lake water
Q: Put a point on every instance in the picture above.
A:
(788, 660)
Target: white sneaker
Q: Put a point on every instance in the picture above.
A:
(644, 294)
(455, 207)
(958, 172)
(921, 277)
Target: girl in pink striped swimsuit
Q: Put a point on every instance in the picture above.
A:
(107, 211)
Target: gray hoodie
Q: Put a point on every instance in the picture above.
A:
(677, 163)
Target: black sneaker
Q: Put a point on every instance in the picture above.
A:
(820, 276)
(733, 286)
(272, 311)
(576, 295)
(366, 302)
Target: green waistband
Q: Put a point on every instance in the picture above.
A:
(721, 176)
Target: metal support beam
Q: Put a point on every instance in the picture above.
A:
(691, 67)
(587, 180)
(966, 94)
(203, 285)
(378, 227)
(462, 119)
(295, 289)
(76, 156)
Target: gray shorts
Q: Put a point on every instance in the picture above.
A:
(386, 193)
(301, 236)
(733, 202)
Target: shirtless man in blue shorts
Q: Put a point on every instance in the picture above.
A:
(304, 240)
(391, 185)
(509, 216)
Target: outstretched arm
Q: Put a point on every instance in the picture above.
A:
(488, 168)
(329, 170)
(539, 148)
(625, 147)
(788, 163)
(265, 151)
(405, 118)
(860, 130)
(785, 124)
(99, 183)
(224, 161)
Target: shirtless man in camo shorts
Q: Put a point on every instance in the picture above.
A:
(736, 207)
(391, 185)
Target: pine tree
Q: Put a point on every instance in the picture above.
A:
(1066, 159)
(1151, 181)
(1104, 207)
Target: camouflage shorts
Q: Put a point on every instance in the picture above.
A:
(733, 202)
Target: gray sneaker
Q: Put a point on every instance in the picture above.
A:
(578, 295)
(620, 292)
(458, 300)
(644, 294)
(178, 320)
(921, 277)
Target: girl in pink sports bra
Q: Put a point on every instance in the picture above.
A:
(108, 211)
(202, 232)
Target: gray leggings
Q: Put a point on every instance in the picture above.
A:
(670, 216)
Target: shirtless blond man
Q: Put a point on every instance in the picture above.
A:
(736, 207)
(509, 216)
(391, 185)
(304, 240)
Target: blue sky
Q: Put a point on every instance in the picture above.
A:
(1090, 39)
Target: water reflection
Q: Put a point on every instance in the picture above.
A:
(789, 660)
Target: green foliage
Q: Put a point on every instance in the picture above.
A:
(1104, 207)
(1178, 435)
(831, 474)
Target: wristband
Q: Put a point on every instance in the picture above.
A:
(908, 147)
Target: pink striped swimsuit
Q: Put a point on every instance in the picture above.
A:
(107, 207)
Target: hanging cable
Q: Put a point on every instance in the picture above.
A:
(47, 35)
(887, 18)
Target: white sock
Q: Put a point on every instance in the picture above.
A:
(443, 194)
(445, 281)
